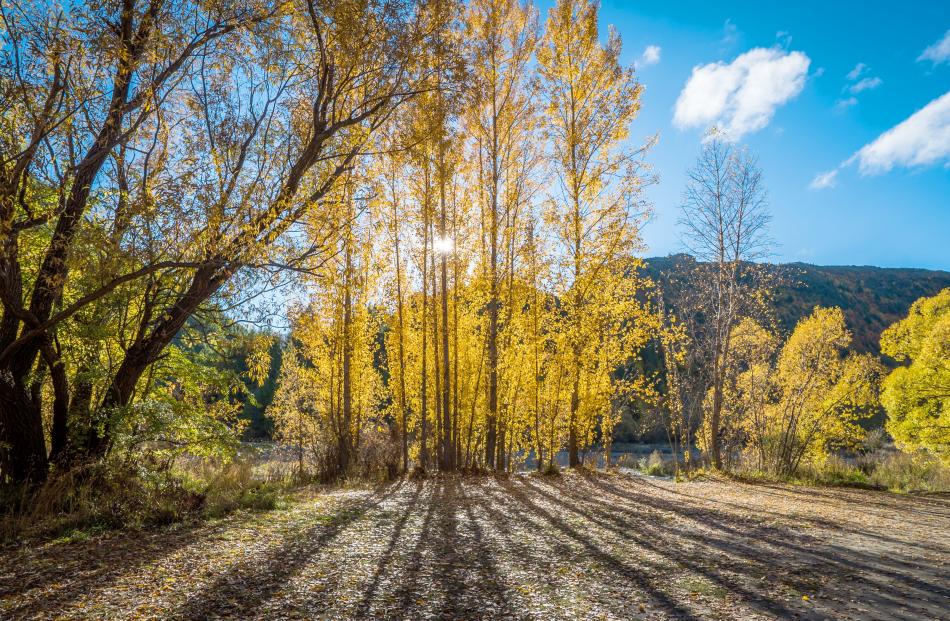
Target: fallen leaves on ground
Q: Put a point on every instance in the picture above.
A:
(580, 546)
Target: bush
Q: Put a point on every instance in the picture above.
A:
(834, 470)
(377, 456)
(120, 495)
(654, 465)
(896, 471)
(912, 472)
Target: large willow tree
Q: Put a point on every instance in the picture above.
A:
(155, 157)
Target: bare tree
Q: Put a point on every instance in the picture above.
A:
(725, 218)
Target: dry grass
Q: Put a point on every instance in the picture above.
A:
(77, 504)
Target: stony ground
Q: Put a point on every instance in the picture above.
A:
(579, 546)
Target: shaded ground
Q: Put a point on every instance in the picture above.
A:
(578, 546)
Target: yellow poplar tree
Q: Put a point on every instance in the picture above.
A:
(596, 209)
(501, 36)
(805, 400)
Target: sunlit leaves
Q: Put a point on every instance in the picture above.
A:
(917, 394)
(799, 402)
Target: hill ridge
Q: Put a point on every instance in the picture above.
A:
(872, 297)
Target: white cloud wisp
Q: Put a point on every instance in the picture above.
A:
(650, 56)
(939, 52)
(920, 140)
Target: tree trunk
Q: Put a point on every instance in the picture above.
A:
(492, 416)
(423, 413)
(572, 448)
(24, 461)
(437, 366)
(715, 448)
(345, 431)
(449, 440)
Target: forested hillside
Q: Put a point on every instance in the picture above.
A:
(872, 298)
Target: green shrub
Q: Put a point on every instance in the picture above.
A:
(893, 470)
(834, 471)
(654, 464)
(72, 505)
(912, 472)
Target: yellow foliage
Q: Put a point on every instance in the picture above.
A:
(793, 404)
(917, 394)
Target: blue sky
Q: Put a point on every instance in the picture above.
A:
(814, 84)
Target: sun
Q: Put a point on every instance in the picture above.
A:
(443, 245)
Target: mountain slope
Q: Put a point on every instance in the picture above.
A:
(872, 298)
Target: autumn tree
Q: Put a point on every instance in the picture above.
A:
(500, 37)
(392, 205)
(218, 150)
(917, 393)
(596, 208)
(299, 411)
(336, 335)
(77, 86)
(798, 403)
(674, 347)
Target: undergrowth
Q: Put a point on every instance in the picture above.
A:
(895, 471)
(85, 501)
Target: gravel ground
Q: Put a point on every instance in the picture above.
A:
(579, 546)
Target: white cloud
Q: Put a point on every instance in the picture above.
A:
(742, 96)
(856, 73)
(857, 84)
(939, 52)
(824, 180)
(865, 84)
(650, 56)
(920, 140)
(844, 104)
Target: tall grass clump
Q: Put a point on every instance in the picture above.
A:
(654, 465)
(121, 494)
(911, 472)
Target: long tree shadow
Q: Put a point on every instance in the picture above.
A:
(248, 585)
(385, 560)
(830, 554)
(411, 577)
(467, 594)
(450, 573)
(632, 575)
(800, 563)
(669, 542)
(812, 519)
(553, 563)
(538, 559)
(61, 574)
(878, 503)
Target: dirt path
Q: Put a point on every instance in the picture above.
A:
(578, 546)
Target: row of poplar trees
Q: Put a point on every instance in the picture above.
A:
(480, 299)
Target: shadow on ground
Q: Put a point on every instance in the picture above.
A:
(578, 546)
